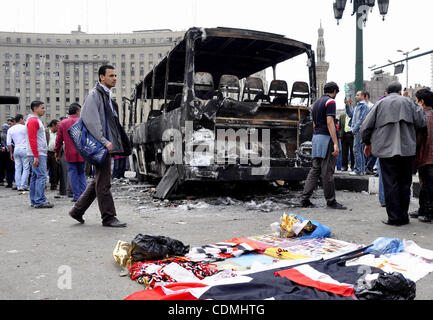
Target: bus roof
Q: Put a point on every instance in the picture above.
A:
(222, 50)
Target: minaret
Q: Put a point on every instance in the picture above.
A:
(321, 65)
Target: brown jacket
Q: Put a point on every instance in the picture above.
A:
(424, 142)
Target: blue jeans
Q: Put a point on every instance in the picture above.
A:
(77, 178)
(22, 168)
(339, 155)
(358, 152)
(381, 193)
(38, 181)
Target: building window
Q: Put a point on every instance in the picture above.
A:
(18, 40)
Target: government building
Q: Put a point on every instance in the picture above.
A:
(60, 69)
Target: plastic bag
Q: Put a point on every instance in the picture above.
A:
(121, 253)
(387, 286)
(292, 226)
(384, 245)
(146, 247)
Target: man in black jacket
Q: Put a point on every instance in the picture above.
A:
(96, 107)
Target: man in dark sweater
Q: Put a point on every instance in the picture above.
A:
(325, 148)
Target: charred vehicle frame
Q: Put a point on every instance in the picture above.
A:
(201, 114)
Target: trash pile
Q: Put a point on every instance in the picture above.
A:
(297, 261)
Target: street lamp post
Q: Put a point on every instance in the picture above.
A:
(361, 9)
(407, 63)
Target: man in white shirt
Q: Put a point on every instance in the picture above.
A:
(17, 138)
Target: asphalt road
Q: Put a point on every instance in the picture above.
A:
(44, 254)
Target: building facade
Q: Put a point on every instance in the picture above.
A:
(376, 86)
(60, 69)
(322, 66)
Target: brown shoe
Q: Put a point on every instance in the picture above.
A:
(114, 224)
(79, 219)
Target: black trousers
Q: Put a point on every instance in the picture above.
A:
(53, 169)
(346, 146)
(397, 180)
(425, 174)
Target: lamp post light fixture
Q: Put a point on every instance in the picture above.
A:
(360, 8)
(407, 53)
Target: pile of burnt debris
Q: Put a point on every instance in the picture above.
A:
(261, 196)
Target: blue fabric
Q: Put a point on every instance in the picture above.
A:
(22, 168)
(77, 178)
(320, 145)
(339, 156)
(384, 245)
(381, 192)
(358, 152)
(38, 181)
(321, 230)
(359, 114)
(89, 148)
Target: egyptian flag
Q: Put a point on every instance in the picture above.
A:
(318, 280)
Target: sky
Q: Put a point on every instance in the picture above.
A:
(407, 26)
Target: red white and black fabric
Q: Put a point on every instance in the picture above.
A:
(150, 273)
(219, 251)
(319, 280)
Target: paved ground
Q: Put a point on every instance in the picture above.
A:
(39, 249)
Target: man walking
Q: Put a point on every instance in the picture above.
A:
(359, 114)
(17, 135)
(325, 148)
(37, 154)
(74, 162)
(98, 109)
(389, 134)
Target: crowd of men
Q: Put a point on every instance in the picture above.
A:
(394, 135)
(31, 154)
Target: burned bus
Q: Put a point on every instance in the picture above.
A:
(202, 114)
